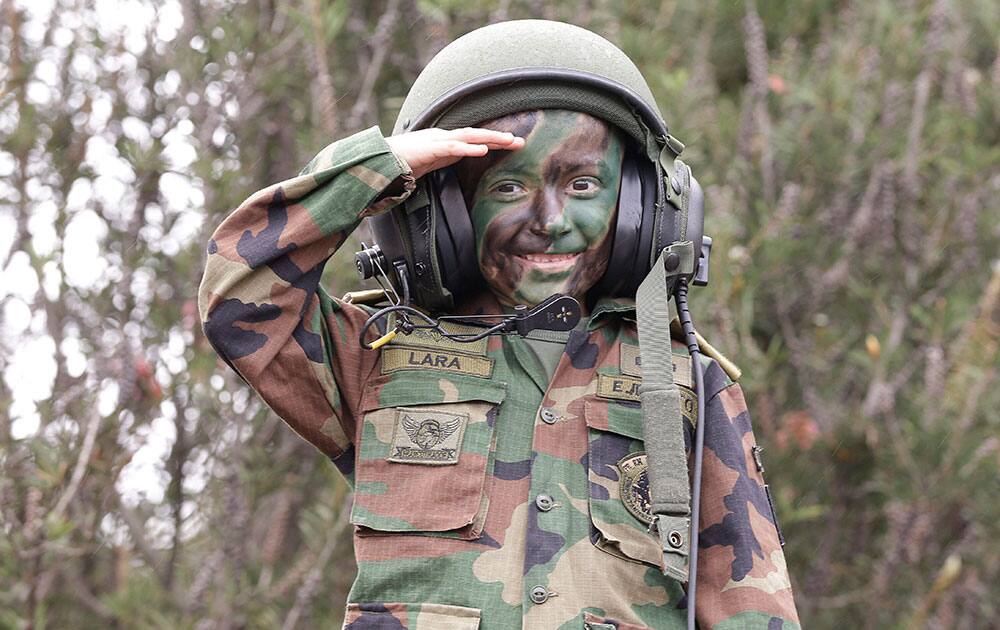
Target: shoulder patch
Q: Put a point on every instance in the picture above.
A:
(427, 436)
(633, 485)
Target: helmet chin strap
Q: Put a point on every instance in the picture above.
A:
(674, 501)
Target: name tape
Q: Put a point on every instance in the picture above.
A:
(631, 364)
(403, 358)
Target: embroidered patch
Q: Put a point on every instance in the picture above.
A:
(631, 361)
(427, 436)
(627, 388)
(682, 370)
(633, 485)
(618, 387)
(424, 338)
(403, 358)
(631, 364)
(689, 405)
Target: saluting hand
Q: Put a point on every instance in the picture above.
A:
(430, 149)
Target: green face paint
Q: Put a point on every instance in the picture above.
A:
(542, 214)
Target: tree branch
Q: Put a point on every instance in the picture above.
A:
(379, 43)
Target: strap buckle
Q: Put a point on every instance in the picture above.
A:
(675, 145)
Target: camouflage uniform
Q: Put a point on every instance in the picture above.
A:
(485, 496)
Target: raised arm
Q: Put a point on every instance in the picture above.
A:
(261, 304)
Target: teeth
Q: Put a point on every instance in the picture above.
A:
(548, 257)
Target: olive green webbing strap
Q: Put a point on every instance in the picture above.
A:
(551, 336)
(669, 489)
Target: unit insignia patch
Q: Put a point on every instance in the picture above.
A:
(427, 436)
(633, 485)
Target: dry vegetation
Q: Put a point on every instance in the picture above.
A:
(850, 156)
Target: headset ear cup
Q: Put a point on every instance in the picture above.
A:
(387, 230)
(650, 202)
(444, 245)
(454, 235)
(626, 232)
(671, 230)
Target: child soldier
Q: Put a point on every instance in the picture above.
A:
(504, 482)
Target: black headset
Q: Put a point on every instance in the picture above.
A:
(445, 216)
(437, 265)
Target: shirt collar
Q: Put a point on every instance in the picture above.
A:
(608, 308)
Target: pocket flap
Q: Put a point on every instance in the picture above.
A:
(624, 418)
(428, 388)
(425, 451)
(410, 616)
(593, 622)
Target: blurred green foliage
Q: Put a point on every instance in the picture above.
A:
(850, 153)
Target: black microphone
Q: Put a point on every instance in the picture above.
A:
(557, 312)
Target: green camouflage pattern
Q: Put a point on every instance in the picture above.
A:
(485, 496)
(412, 616)
(554, 199)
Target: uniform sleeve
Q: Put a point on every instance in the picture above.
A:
(742, 578)
(261, 304)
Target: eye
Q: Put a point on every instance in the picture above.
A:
(585, 185)
(507, 188)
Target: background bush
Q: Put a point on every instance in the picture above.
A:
(849, 152)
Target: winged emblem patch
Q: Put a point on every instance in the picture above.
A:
(427, 436)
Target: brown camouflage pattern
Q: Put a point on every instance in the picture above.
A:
(458, 538)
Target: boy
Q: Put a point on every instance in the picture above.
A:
(500, 483)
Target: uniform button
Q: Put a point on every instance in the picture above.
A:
(539, 594)
(544, 502)
(676, 539)
(548, 416)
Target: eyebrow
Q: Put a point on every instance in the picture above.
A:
(574, 161)
(563, 164)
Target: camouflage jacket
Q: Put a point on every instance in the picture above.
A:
(485, 496)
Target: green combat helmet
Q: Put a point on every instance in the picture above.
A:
(426, 245)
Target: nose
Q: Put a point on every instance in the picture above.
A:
(549, 218)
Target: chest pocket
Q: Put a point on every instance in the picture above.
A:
(425, 453)
(619, 482)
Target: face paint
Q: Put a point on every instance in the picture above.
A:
(542, 214)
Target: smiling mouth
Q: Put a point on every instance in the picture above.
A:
(548, 257)
(548, 262)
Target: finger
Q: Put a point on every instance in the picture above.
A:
(465, 149)
(516, 144)
(483, 136)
